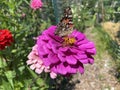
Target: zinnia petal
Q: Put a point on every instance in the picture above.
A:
(36, 63)
(71, 60)
(53, 75)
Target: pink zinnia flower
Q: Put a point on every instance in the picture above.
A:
(65, 55)
(36, 4)
(37, 64)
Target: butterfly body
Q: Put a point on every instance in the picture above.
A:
(65, 27)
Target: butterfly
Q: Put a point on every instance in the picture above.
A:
(65, 27)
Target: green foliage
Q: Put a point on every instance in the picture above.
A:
(112, 10)
(24, 23)
(82, 14)
(102, 40)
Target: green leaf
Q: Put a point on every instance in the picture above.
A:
(2, 63)
(39, 81)
(32, 72)
(5, 85)
(10, 75)
(35, 88)
(21, 69)
(27, 2)
(14, 51)
(20, 2)
(18, 85)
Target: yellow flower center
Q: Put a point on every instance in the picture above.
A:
(69, 40)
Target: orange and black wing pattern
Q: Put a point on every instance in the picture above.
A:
(65, 27)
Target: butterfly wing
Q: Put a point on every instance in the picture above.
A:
(65, 27)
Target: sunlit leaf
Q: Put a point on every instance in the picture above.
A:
(10, 75)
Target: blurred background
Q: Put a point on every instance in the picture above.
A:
(98, 19)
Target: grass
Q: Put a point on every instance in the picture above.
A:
(102, 40)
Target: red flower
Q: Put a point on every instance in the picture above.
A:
(5, 38)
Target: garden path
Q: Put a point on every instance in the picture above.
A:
(100, 75)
